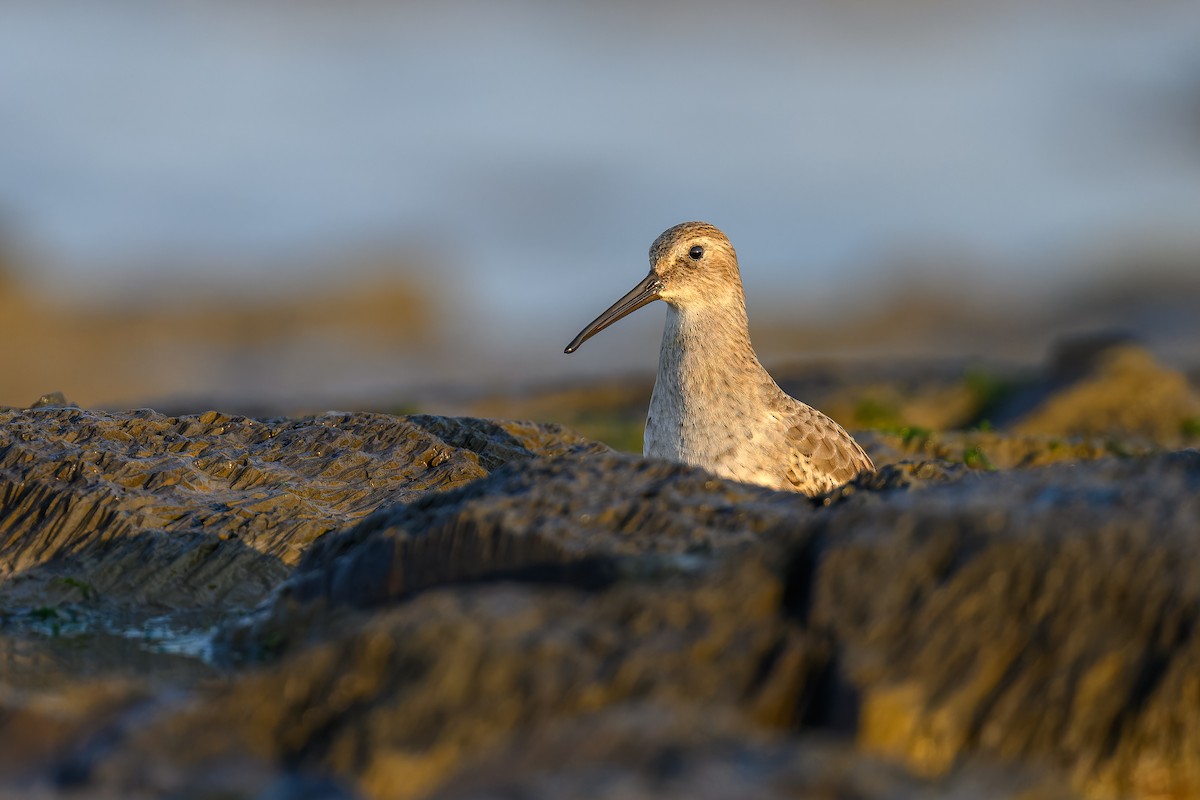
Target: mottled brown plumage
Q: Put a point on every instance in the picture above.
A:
(714, 406)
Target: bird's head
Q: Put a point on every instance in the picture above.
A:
(692, 263)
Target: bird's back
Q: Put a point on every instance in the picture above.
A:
(818, 453)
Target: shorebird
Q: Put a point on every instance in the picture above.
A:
(714, 406)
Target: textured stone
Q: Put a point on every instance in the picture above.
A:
(1119, 389)
(1044, 615)
(630, 753)
(990, 450)
(565, 621)
(567, 520)
(399, 701)
(214, 510)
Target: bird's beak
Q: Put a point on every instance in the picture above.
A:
(645, 292)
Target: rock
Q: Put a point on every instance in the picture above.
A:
(37, 728)
(992, 450)
(1075, 357)
(53, 400)
(498, 610)
(1044, 616)
(214, 510)
(539, 513)
(1038, 617)
(396, 701)
(901, 475)
(1113, 388)
(635, 752)
(582, 522)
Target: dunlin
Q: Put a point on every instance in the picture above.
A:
(714, 406)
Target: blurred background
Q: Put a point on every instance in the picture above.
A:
(303, 204)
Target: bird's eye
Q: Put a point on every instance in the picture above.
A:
(696, 253)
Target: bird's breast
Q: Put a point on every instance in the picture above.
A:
(714, 425)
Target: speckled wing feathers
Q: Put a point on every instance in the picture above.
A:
(826, 455)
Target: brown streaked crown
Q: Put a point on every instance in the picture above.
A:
(667, 240)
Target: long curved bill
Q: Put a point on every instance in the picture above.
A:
(645, 292)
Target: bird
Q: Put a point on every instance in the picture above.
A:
(714, 406)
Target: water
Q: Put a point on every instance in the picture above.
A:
(52, 648)
(535, 149)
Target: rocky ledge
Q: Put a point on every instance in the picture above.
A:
(413, 607)
(214, 510)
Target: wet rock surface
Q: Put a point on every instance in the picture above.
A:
(459, 608)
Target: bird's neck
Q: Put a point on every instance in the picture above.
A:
(708, 378)
(707, 345)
